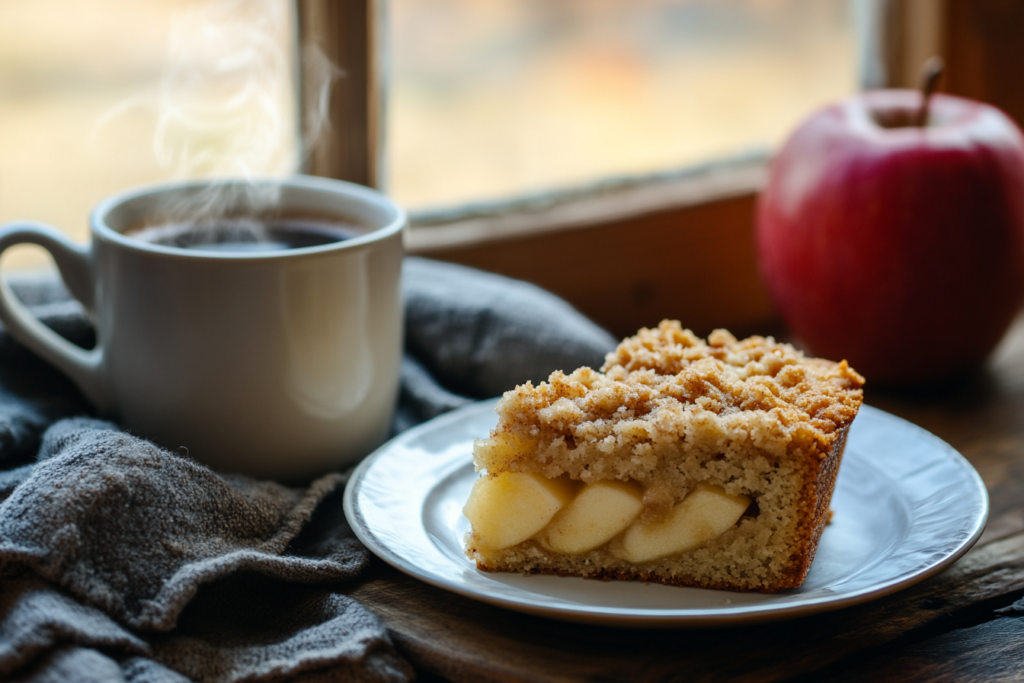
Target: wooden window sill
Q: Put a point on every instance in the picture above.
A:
(626, 252)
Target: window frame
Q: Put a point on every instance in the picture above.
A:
(626, 252)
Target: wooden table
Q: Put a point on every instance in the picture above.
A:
(959, 625)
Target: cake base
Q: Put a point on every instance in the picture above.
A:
(748, 557)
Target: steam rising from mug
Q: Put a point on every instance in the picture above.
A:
(226, 105)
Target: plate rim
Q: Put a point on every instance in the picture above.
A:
(644, 617)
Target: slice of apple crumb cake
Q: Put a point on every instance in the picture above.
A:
(681, 462)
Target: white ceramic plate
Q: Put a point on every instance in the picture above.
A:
(907, 505)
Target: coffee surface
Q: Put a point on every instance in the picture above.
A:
(246, 235)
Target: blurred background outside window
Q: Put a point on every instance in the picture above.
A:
(487, 99)
(494, 98)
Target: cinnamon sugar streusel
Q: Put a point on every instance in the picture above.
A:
(669, 414)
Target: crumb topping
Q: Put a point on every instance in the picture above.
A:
(667, 384)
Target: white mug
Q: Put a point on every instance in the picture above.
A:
(281, 364)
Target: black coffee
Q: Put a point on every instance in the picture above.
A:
(248, 234)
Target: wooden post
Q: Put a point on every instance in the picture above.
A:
(979, 41)
(907, 34)
(346, 32)
(986, 53)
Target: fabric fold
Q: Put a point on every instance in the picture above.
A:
(105, 496)
(122, 561)
(36, 619)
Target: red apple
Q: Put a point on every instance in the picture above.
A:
(895, 246)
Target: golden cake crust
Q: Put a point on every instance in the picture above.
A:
(671, 412)
(666, 383)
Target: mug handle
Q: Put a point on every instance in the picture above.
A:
(82, 366)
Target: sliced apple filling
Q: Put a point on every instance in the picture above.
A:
(568, 517)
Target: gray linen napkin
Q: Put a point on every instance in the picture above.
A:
(122, 561)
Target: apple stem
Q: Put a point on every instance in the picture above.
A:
(930, 75)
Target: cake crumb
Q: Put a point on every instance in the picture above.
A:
(670, 412)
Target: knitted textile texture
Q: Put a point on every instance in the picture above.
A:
(120, 560)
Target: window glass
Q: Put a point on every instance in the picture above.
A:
(488, 98)
(98, 96)
(494, 98)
